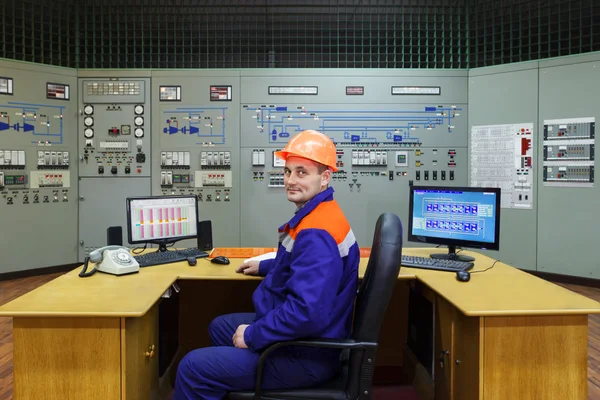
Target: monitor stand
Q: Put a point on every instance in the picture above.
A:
(451, 255)
(162, 247)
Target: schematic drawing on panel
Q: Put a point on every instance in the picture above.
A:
(346, 126)
(204, 123)
(44, 122)
(569, 146)
(502, 156)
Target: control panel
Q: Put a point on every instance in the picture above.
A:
(197, 140)
(114, 127)
(12, 159)
(35, 167)
(569, 152)
(52, 159)
(424, 166)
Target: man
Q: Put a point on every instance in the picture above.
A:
(308, 291)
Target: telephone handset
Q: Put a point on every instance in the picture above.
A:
(114, 260)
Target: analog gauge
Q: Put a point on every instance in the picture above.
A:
(88, 133)
(139, 121)
(88, 110)
(138, 110)
(88, 121)
(139, 132)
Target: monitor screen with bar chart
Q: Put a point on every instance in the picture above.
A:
(161, 220)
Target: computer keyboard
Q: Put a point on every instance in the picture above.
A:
(436, 264)
(166, 257)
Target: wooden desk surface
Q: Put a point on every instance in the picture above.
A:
(503, 290)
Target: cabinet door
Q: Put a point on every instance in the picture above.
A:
(444, 351)
(467, 372)
(66, 358)
(140, 355)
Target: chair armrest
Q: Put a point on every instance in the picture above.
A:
(317, 342)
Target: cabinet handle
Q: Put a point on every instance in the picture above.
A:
(150, 352)
(443, 353)
(458, 362)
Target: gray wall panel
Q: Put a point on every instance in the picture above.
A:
(101, 205)
(198, 126)
(363, 192)
(568, 217)
(37, 230)
(501, 96)
(248, 212)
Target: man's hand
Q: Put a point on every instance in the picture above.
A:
(248, 268)
(238, 337)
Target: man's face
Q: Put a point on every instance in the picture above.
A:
(302, 179)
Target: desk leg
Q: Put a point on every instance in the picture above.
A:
(535, 357)
(67, 358)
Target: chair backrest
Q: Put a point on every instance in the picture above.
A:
(372, 300)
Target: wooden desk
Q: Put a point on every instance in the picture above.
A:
(505, 334)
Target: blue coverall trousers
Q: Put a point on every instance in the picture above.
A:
(210, 373)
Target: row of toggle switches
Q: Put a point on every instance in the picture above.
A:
(53, 160)
(215, 159)
(175, 159)
(369, 157)
(12, 159)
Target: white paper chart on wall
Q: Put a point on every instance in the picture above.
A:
(569, 146)
(502, 156)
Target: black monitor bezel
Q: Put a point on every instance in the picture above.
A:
(159, 241)
(455, 242)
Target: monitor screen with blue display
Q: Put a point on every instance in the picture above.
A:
(455, 217)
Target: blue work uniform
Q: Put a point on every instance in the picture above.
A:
(308, 291)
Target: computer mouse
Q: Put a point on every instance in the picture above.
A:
(463, 276)
(192, 261)
(220, 260)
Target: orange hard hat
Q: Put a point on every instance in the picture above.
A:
(312, 145)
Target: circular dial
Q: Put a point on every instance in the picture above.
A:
(122, 258)
(88, 121)
(88, 133)
(139, 121)
(88, 110)
(138, 109)
(139, 132)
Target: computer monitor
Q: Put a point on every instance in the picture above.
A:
(161, 220)
(455, 216)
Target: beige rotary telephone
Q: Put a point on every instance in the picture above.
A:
(115, 260)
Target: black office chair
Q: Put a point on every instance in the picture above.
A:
(358, 356)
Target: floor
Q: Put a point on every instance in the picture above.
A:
(11, 289)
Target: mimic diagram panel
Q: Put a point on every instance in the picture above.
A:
(38, 180)
(569, 146)
(114, 127)
(34, 153)
(196, 143)
(194, 125)
(356, 125)
(35, 133)
(381, 149)
(30, 123)
(205, 130)
(502, 156)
